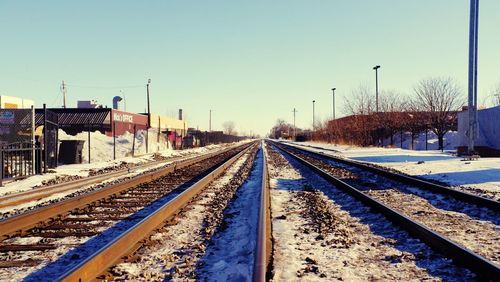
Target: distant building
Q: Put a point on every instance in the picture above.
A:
(105, 120)
(8, 102)
(92, 104)
(488, 139)
(164, 123)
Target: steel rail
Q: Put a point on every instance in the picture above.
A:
(42, 192)
(38, 193)
(30, 219)
(433, 187)
(263, 248)
(460, 255)
(128, 242)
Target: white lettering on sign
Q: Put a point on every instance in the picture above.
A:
(123, 117)
(7, 117)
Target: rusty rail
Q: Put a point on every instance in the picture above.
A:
(129, 241)
(263, 250)
(42, 192)
(423, 184)
(484, 268)
(32, 218)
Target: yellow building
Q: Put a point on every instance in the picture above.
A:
(8, 102)
(165, 123)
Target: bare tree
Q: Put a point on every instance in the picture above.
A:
(361, 101)
(441, 98)
(389, 120)
(361, 105)
(229, 128)
(281, 129)
(413, 120)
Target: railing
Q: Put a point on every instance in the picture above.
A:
(19, 160)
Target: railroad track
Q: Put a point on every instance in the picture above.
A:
(398, 176)
(52, 231)
(137, 243)
(39, 193)
(414, 217)
(101, 237)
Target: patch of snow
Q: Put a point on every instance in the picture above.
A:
(375, 249)
(482, 174)
(231, 253)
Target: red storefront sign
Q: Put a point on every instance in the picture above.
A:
(124, 122)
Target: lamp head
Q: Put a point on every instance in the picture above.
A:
(376, 67)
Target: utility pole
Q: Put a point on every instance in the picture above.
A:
(149, 107)
(313, 115)
(149, 115)
(472, 90)
(376, 86)
(63, 87)
(210, 121)
(333, 103)
(294, 127)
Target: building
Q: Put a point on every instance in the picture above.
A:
(488, 140)
(105, 120)
(165, 123)
(8, 102)
(110, 121)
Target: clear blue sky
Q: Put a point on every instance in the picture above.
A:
(250, 61)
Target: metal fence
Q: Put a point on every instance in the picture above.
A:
(50, 138)
(16, 126)
(19, 160)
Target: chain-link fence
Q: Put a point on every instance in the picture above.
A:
(19, 156)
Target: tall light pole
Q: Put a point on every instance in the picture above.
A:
(313, 115)
(149, 115)
(210, 121)
(333, 103)
(376, 86)
(472, 90)
(294, 127)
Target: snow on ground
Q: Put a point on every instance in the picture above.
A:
(231, 253)
(83, 170)
(323, 234)
(178, 247)
(56, 263)
(101, 145)
(482, 175)
(42, 201)
(450, 141)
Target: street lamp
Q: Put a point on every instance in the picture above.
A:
(376, 86)
(294, 127)
(472, 89)
(210, 122)
(149, 109)
(149, 116)
(333, 102)
(313, 115)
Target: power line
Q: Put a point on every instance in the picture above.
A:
(106, 87)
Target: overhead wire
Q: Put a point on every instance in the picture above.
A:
(107, 87)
